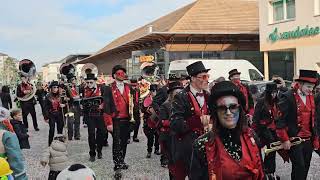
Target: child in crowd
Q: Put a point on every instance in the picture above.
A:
(19, 128)
(56, 156)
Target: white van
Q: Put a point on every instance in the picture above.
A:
(219, 67)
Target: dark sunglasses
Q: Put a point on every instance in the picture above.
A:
(233, 108)
(90, 82)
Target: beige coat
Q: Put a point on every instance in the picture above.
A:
(56, 156)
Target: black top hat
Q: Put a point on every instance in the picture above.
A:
(225, 88)
(233, 72)
(196, 68)
(116, 68)
(173, 77)
(271, 87)
(153, 87)
(308, 76)
(90, 77)
(54, 83)
(174, 85)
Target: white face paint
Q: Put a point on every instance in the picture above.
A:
(306, 88)
(91, 84)
(228, 111)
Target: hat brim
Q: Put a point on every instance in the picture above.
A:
(170, 90)
(194, 74)
(91, 79)
(237, 73)
(306, 79)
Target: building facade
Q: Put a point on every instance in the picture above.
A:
(205, 29)
(290, 36)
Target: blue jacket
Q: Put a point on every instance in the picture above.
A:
(13, 154)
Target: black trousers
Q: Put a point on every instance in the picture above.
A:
(41, 102)
(55, 118)
(53, 175)
(300, 156)
(28, 108)
(153, 138)
(136, 128)
(96, 133)
(121, 133)
(270, 163)
(74, 124)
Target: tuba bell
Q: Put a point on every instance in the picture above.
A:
(67, 71)
(89, 68)
(27, 69)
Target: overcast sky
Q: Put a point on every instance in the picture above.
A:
(49, 30)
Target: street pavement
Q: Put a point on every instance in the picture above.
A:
(140, 167)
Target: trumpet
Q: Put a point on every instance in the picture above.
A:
(275, 146)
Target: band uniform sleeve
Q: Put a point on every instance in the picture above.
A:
(281, 121)
(257, 115)
(109, 105)
(198, 165)
(46, 107)
(177, 120)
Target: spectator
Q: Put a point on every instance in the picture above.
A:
(6, 97)
(20, 129)
(11, 149)
(77, 172)
(56, 156)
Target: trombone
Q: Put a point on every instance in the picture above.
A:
(275, 146)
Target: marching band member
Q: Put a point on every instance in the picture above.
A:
(117, 117)
(150, 123)
(264, 122)
(188, 108)
(228, 151)
(234, 76)
(164, 126)
(93, 110)
(53, 110)
(297, 119)
(74, 127)
(23, 89)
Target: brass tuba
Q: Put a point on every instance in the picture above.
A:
(89, 68)
(67, 71)
(28, 69)
(149, 73)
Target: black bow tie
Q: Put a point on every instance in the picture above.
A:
(200, 94)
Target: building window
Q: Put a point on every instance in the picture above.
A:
(283, 10)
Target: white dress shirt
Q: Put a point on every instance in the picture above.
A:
(199, 99)
(120, 86)
(303, 97)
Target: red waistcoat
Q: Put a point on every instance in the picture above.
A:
(55, 104)
(222, 166)
(92, 93)
(194, 121)
(74, 91)
(305, 115)
(121, 100)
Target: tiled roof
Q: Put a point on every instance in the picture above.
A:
(200, 17)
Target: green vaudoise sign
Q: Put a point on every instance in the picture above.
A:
(297, 33)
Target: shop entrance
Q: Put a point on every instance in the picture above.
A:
(282, 63)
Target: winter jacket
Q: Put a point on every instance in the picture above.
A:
(9, 148)
(21, 133)
(56, 156)
(6, 100)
